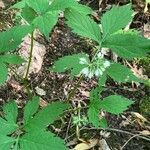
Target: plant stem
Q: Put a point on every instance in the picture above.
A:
(30, 56)
(72, 93)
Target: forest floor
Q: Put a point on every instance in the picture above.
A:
(56, 86)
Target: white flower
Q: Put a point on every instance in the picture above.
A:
(85, 71)
(106, 64)
(91, 73)
(83, 61)
(98, 72)
(103, 69)
(100, 55)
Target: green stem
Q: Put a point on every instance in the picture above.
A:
(30, 56)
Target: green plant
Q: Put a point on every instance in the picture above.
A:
(28, 135)
(108, 34)
(43, 15)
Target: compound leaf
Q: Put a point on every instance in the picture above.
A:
(46, 116)
(40, 6)
(6, 142)
(30, 109)
(83, 25)
(10, 39)
(115, 104)
(71, 62)
(128, 46)
(3, 73)
(121, 73)
(11, 59)
(41, 140)
(115, 19)
(46, 22)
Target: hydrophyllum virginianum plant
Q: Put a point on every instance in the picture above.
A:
(43, 15)
(110, 33)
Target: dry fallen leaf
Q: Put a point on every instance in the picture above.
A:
(39, 51)
(103, 145)
(86, 145)
(145, 132)
(139, 116)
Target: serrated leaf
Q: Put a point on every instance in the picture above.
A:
(10, 39)
(41, 140)
(7, 127)
(11, 59)
(102, 80)
(19, 5)
(30, 109)
(128, 46)
(46, 116)
(115, 19)
(6, 142)
(121, 73)
(83, 25)
(93, 112)
(3, 73)
(46, 22)
(63, 4)
(115, 104)
(71, 62)
(11, 111)
(28, 14)
(40, 6)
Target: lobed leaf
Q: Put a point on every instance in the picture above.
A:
(115, 104)
(11, 59)
(41, 140)
(83, 25)
(116, 19)
(10, 39)
(128, 46)
(40, 6)
(121, 73)
(46, 22)
(46, 116)
(6, 142)
(31, 108)
(71, 62)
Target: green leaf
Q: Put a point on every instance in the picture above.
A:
(102, 80)
(71, 62)
(63, 4)
(11, 59)
(103, 123)
(46, 116)
(40, 6)
(121, 73)
(41, 140)
(94, 108)
(11, 111)
(30, 109)
(115, 19)
(115, 104)
(3, 73)
(19, 5)
(128, 46)
(6, 142)
(83, 25)
(7, 127)
(11, 38)
(46, 22)
(28, 14)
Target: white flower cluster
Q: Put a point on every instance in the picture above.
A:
(97, 67)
